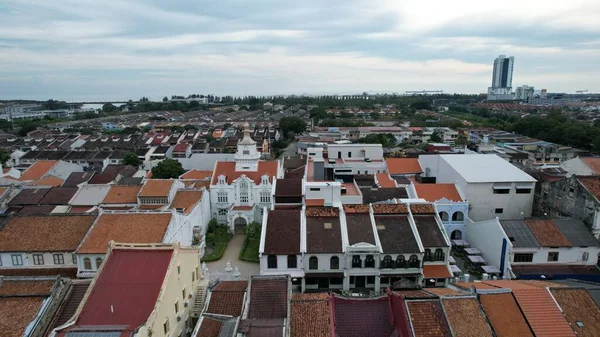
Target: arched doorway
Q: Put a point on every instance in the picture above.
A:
(239, 224)
(456, 235)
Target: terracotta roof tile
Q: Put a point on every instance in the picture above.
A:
(578, 306)
(35, 209)
(227, 298)
(323, 231)
(322, 212)
(29, 196)
(156, 188)
(53, 233)
(58, 196)
(64, 272)
(38, 170)
(403, 165)
(477, 285)
(384, 180)
(541, 312)
(359, 228)
(181, 147)
(314, 202)
(592, 184)
(283, 232)
(504, 315)
(356, 208)
(47, 181)
(122, 194)
(422, 209)
(435, 192)
(427, 319)
(196, 174)
(396, 234)
(429, 231)
(390, 209)
(26, 287)
(125, 227)
(436, 271)
(227, 168)
(209, 328)
(186, 200)
(443, 291)
(466, 318)
(547, 233)
(364, 317)
(414, 294)
(593, 164)
(310, 315)
(510, 284)
(16, 313)
(268, 298)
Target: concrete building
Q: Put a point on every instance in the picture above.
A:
(492, 186)
(502, 78)
(524, 92)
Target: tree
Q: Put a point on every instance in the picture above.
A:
(293, 124)
(421, 105)
(165, 99)
(4, 156)
(435, 138)
(131, 159)
(385, 139)
(167, 169)
(461, 140)
(27, 127)
(109, 107)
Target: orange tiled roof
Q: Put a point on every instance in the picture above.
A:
(38, 170)
(591, 183)
(356, 208)
(403, 165)
(227, 168)
(435, 192)
(384, 180)
(322, 212)
(422, 209)
(196, 174)
(26, 287)
(186, 200)
(547, 233)
(48, 181)
(443, 291)
(310, 315)
(510, 284)
(504, 315)
(156, 188)
(122, 194)
(541, 312)
(390, 209)
(315, 202)
(477, 285)
(16, 313)
(125, 227)
(592, 163)
(578, 305)
(466, 318)
(436, 271)
(427, 318)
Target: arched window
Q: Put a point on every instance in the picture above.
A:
(438, 255)
(356, 262)
(369, 261)
(458, 216)
(98, 262)
(292, 261)
(272, 262)
(334, 262)
(427, 256)
(387, 262)
(313, 263)
(400, 261)
(444, 216)
(456, 235)
(413, 261)
(87, 264)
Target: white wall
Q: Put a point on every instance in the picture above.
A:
(330, 191)
(484, 202)
(324, 260)
(566, 255)
(6, 260)
(63, 170)
(179, 230)
(82, 272)
(487, 236)
(372, 151)
(282, 268)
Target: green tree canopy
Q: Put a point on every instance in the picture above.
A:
(109, 107)
(4, 156)
(131, 159)
(167, 169)
(293, 124)
(436, 138)
(165, 99)
(27, 127)
(385, 139)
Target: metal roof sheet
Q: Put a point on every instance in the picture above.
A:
(519, 233)
(482, 168)
(576, 232)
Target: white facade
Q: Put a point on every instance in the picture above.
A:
(566, 255)
(32, 260)
(576, 166)
(489, 237)
(453, 216)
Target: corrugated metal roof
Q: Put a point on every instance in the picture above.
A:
(520, 235)
(90, 195)
(479, 168)
(576, 232)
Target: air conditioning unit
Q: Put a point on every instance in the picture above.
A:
(178, 318)
(190, 295)
(186, 303)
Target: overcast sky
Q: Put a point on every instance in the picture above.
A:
(92, 50)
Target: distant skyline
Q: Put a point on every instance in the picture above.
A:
(116, 50)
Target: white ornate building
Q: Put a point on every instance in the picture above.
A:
(240, 190)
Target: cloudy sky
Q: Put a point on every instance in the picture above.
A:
(93, 50)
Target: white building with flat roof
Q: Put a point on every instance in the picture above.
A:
(492, 186)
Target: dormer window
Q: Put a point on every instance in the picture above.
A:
(246, 152)
(265, 180)
(221, 179)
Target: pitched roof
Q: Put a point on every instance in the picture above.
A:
(26, 287)
(427, 319)
(196, 174)
(119, 194)
(367, 317)
(519, 234)
(359, 228)
(396, 234)
(227, 168)
(591, 183)
(422, 209)
(186, 200)
(576, 232)
(390, 209)
(323, 233)
(58, 196)
(436, 271)
(125, 227)
(38, 170)
(268, 297)
(504, 315)
(541, 312)
(29, 196)
(47, 181)
(547, 233)
(578, 306)
(35, 209)
(283, 232)
(384, 180)
(52, 233)
(429, 231)
(156, 188)
(288, 188)
(90, 195)
(118, 287)
(403, 165)
(77, 178)
(209, 327)
(227, 298)
(593, 163)
(480, 168)
(466, 318)
(435, 192)
(310, 315)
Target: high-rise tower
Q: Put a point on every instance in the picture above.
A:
(502, 78)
